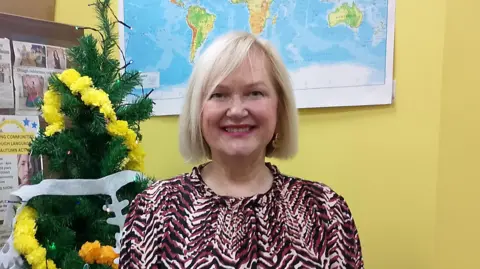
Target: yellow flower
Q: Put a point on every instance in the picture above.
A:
(130, 139)
(118, 128)
(108, 112)
(69, 76)
(25, 243)
(124, 162)
(137, 153)
(37, 256)
(89, 252)
(52, 98)
(81, 85)
(136, 158)
(51, 114)
(27, 213)
(54, 128)
(95, 97)
(26, 227)
(135, 166)
(51, 264)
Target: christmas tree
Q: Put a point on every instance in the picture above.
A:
(91, 132)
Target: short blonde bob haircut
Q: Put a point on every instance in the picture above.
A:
(221, 58)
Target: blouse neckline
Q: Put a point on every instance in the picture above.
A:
(260, 199)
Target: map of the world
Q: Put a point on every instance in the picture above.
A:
(338, 52)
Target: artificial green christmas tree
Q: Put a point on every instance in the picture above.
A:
(91, 133)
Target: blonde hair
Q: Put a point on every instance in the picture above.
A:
(221, 58)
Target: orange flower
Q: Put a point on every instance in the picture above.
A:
(107, 255)
(90, 251)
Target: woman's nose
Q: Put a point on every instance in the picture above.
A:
(237, 108)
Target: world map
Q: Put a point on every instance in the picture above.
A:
(331, 48)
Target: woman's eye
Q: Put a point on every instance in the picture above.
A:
(257, 93)
(216, 95)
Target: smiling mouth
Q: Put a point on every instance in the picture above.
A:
(238, 130)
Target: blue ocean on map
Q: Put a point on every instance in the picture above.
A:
(341, 55)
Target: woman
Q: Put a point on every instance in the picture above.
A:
(31, 94)
(34, 91)
(2, 75)
(24, 169)
(56, 60)
(236, 211)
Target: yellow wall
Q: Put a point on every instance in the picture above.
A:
(458, 185)
(402, 168)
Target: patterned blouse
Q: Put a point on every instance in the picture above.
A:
(182, 223)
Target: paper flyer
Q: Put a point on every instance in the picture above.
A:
(34, 64)
(17, 166)
(6, 81)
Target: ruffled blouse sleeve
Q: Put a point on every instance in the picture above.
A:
(138, 243)
(344, 248)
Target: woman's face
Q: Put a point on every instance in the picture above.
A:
(38, 89)
(239, 117)
(23, 169)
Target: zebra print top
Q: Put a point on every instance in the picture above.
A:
(182, 223)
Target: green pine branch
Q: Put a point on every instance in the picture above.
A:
(114, 151)
(86, 150)
(139, 110)
(123, 87)
(106, 27)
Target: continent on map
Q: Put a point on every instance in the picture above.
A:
(349, 15)
(259, 11)
(201, 22)
(178, 3)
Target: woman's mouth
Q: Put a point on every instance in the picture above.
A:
(238, 130)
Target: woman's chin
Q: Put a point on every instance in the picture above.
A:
(240, 153)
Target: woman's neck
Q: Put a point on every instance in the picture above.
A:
(241, 178)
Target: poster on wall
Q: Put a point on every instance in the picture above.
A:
(17, 166)
(34, 64)
(338, 53)
(6, 81)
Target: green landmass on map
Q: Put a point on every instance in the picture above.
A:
(349, 15)
(259, 12)
(201, 22)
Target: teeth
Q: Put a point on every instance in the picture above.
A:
(237, 130)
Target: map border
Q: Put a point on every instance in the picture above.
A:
(382, 94)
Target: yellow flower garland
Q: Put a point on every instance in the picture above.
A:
(92, 96)
(95, 253)
(25, 243)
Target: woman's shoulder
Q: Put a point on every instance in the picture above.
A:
(159, 191)
(330, 206)
(317, 188)
(332, 209)
(315, 193)
(168, 183)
